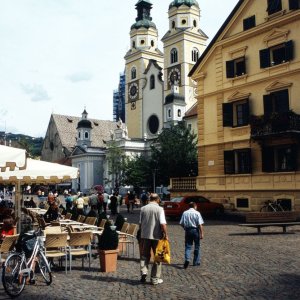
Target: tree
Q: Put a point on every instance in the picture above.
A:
(137, 171)
(115, 159)
(174, 154)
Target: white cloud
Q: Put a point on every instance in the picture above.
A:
(36, 91)
(80, 76)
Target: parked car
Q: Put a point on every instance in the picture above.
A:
(176, 206)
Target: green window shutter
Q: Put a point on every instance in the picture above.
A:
(264, 55)
(267, 159)
(294, 156)
(230, 69)
(289, 50)
(281, 101)
(249, 161)
(229, 166)
(294, 4)
(227, 115)
(268, 106)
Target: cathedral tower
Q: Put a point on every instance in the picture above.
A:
(183, 44)
(143, 54)
(84, 128)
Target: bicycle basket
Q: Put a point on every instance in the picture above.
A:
(26, 243)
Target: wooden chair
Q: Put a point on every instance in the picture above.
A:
(91, 220)
(52, 230)
(8, 245)
(102, 223)
(80, 245)
(129, 238)
(81, 218)
(68, 216)
(56, 246)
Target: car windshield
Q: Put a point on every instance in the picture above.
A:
(178, 199)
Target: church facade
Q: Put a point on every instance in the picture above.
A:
(158, 90)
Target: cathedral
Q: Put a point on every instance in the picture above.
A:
(158, 91)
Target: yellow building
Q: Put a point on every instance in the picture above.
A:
(248, 82)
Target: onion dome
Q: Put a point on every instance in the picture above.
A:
(84, 122)
(144, 18)
(177, 3)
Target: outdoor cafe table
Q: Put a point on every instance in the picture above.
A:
(77, 225)
(39, 211)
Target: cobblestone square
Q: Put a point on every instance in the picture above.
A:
(236, 264)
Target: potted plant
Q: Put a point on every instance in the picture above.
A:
(108, 248)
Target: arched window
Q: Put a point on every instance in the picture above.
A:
(133, 73)
(133, 44)
(179, 113)
(195, 54)
(174, 56)
(79, 135)
(86, 135)
(152, 82)
(169, 113)
(173, 24)
(152, 43)
(195, 23)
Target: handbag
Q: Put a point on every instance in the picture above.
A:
(162, 253)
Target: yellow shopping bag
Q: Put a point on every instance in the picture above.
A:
(162, 253)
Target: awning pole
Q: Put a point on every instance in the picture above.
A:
(18, 205)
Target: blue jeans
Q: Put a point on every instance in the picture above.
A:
(192, 235)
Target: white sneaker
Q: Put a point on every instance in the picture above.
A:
(157, 281)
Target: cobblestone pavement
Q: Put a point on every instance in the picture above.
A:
(236, 264)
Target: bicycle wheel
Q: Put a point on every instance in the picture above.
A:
(44, 268)
(12, 279)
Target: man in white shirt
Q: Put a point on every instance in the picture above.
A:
(192, 221)
(153, 227)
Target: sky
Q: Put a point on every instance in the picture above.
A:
(61, 56)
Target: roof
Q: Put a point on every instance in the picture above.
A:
(220, 31)
(143, 23)
(177, 3)
(174, 98)
(66, 127)
(192, 112)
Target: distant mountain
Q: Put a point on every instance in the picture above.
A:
(32, 145)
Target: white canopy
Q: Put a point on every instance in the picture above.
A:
(40, 172)
(11, 157)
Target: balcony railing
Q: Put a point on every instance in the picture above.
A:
(183, 184)
(274, 123)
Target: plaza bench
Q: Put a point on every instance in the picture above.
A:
(266, 219)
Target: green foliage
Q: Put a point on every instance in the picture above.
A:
(137, 171)
(174, 154)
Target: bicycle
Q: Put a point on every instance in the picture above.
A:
(19, 266)
(272, 206)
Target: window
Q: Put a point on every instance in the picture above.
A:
(249, 23)
(86, 135)
(274, 6)
(179, 113)
(173, 24)
(281, 158)
(190, 127)
(236, 67)
(153, 124)
(236, 114)
(152, 43)
(174, 56)
(133, 73)
(294, 4)
(276, 102)
(152, 82)
(276, 55)
(195, 23)
(183, 22)
(237, 161)
(79, 135)
(195, 54)
(142, 42)
(169, 113)
(133, 44)
(242, 203)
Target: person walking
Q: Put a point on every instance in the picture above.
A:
(105, 201)
(192, 223)
(153, 227)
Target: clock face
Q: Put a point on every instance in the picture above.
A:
(174, 76)
(133, 90)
